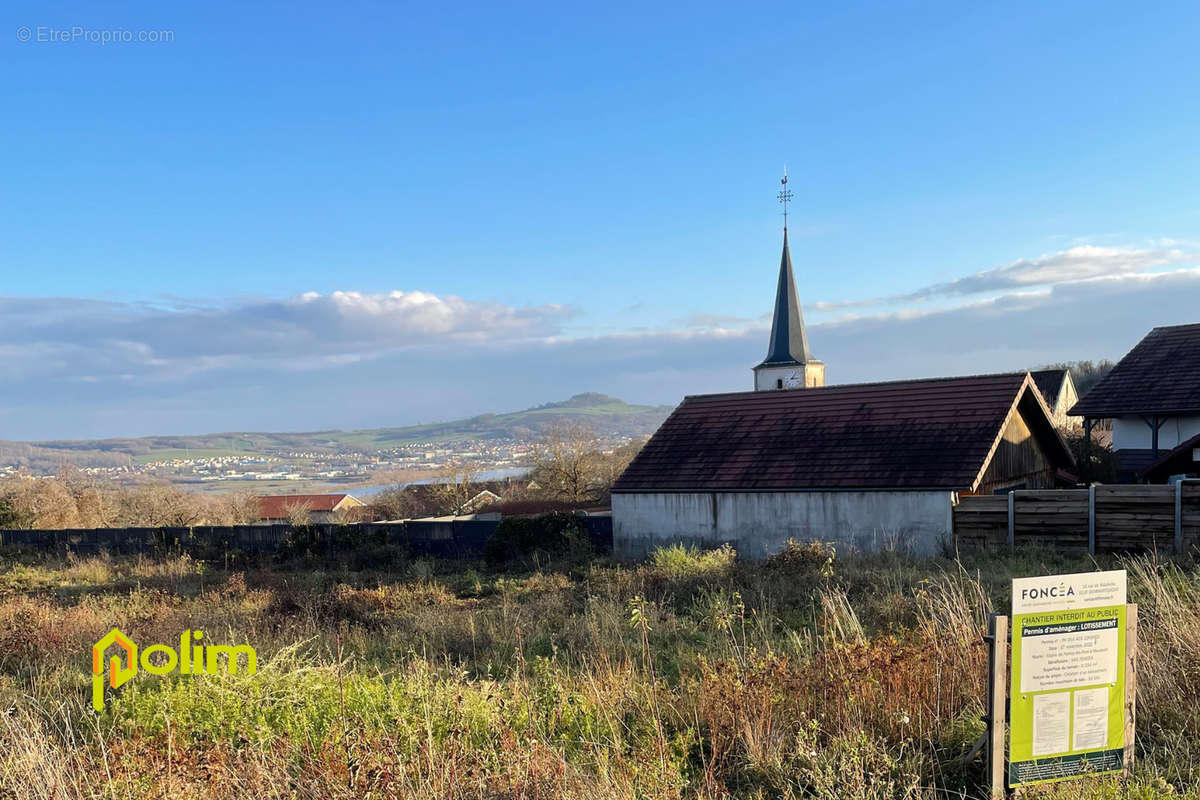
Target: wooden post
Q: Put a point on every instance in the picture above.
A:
(1131, 628)
(1012, 530)
(997, 715)
(1092, 520)
(1086, 471)
(1179, 517)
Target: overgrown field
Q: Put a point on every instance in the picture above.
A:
(690, 676)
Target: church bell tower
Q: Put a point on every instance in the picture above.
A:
(789, 363)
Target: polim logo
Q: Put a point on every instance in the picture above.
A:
(191, 659)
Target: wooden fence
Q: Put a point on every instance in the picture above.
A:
(1101, 519)
(439, 539)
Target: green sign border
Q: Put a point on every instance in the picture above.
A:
(1023, 768)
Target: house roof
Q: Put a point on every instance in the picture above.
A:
(1161, 375)
(789, 342)
(276, 506)
(936, 433)
(1175, 462)
(1049, 383)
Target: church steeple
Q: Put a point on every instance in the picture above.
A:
(789, 363)
(789, 343)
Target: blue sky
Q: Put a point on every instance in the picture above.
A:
(207, 233)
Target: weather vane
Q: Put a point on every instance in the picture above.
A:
(785, 195)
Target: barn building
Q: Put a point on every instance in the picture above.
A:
(870, 465)
(1152, 397)
(1058, 390)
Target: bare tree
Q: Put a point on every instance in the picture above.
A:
(243, 508)
(38, 503)
(611, 463)
(564, 461)
(455, 486)
(76, 500)
(569, 464)
(160, 505)
(298, 512)
(95, 505)
(396, 502)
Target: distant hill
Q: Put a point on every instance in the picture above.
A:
(607, 416)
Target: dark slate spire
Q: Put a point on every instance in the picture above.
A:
(789, 344)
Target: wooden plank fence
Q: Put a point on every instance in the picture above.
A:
(1102, 519)
(439, 539)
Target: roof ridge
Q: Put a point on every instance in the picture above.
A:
(836, 386)
(1175, 327)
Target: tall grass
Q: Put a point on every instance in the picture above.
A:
(692, 676)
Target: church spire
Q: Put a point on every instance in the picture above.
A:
(789, 343)
(789, 363)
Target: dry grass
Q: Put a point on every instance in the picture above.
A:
(693, 676)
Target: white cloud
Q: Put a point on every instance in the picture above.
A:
(67, 337)
(1083, 262)
(89, 368)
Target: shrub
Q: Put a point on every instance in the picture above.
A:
(533, 540)
(803, 558)
(686, 562)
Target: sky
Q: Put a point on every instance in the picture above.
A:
(262, 216)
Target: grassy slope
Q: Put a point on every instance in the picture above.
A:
(692, 676)
(605, 414)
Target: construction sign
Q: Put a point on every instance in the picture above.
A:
(1067, 696)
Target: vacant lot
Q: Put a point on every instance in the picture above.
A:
(692, 675)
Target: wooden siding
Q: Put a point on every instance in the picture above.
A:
(1018, 461)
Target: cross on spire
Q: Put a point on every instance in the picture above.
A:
(785, 196)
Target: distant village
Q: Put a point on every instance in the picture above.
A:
(349, 468)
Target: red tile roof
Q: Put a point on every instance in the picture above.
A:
(1161, 375)
(937, 433)
(276, 506)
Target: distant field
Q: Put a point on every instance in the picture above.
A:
(690, 677)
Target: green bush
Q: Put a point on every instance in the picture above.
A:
(683, 562)
(534, 540)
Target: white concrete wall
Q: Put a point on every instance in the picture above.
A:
(1132, 433)
(758, 523)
